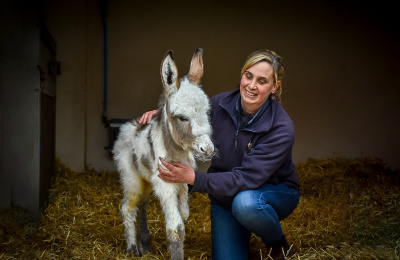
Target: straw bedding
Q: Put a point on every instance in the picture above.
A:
(349, 209)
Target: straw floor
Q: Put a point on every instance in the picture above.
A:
(349, 209)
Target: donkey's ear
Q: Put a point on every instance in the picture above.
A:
(169, 73)
(196, 67)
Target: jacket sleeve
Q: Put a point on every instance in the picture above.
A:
(259, 165)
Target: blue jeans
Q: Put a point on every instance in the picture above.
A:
(253, 211)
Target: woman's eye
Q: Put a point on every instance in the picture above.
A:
(183, 119)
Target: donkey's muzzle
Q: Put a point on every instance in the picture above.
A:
(204, 148)
(207, 151)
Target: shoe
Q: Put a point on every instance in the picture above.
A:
(276, 254)
(281, 250)
(280, 253)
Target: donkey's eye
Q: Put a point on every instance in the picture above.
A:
(183, 119)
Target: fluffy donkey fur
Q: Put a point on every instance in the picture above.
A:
(180, 131)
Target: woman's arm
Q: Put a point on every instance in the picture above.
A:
(258, 166)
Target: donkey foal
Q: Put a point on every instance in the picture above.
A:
(179, 132)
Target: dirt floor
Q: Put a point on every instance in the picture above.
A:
(349, 209)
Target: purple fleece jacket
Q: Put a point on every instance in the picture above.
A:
(259, 153)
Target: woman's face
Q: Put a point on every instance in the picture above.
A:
(256, 85)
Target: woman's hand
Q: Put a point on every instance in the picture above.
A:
(176, 172)
(146, 117)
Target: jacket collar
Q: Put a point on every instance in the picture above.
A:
(261, 122)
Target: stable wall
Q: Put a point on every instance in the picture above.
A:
(27, 108)
(341, 66)
(67, 22)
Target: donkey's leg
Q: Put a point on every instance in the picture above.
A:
(175, 228)
(128, 212)
(183, 202)
(143, 234)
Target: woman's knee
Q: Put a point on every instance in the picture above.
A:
(243, 204)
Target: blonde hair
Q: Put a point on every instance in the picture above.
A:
(272, 58)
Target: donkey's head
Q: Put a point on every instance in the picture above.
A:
(187, 107)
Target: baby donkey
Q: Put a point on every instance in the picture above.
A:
(180, 131)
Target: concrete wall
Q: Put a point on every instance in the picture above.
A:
(341, 65)
(20, 108)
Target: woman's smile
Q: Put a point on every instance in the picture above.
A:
(250, 94)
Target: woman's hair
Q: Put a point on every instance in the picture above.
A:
(272, 58)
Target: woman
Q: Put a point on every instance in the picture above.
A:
(252, 184)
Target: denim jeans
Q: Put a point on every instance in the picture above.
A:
(253, 211)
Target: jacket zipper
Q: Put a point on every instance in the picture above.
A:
(236, 138)
(237, 132)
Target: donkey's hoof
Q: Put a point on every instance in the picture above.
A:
(144, 249)
(133, 250)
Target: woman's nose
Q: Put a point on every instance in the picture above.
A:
(252, 84)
